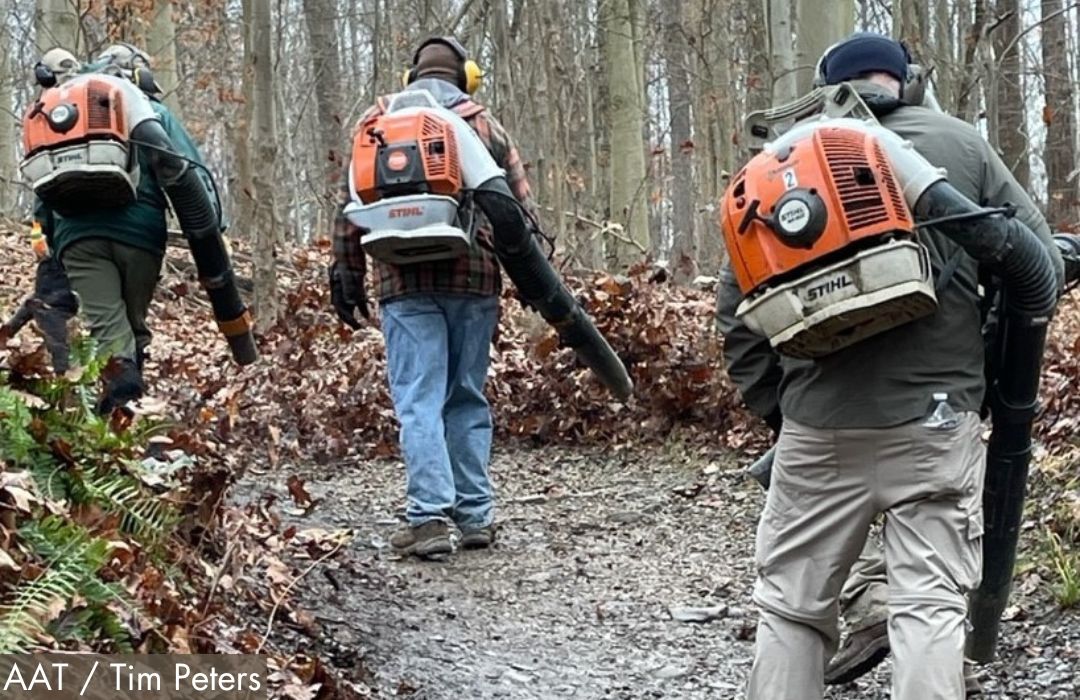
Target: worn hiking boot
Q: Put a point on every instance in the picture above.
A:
(432, 539)
(477, 538)
(859, 654)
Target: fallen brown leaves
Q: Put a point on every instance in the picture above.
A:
(319, 391)
(319, 394)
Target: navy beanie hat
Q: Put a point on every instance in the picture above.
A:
(862, 53)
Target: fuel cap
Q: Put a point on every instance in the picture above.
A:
(799, 218)
(62, 118)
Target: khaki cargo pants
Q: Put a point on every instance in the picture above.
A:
(827, 488)
(115, 283)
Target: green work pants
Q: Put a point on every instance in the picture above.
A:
(115, 283)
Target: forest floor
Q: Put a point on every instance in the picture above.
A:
(598, 552)
(610, 534)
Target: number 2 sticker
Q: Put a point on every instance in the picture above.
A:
(790, 182)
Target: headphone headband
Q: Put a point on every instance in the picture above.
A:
(469, 74)
(449, 41)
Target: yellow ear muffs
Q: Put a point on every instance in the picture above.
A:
(474, 76)
(406, 77)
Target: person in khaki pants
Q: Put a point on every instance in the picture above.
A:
(859, 438)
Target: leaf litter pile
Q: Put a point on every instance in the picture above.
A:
(320, 390)
(118, 535)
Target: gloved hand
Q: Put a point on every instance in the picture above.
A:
(348, 296)
(775, 421)
(1069, 245)
(123, 383)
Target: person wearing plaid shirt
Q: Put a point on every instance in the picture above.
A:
(438, 321)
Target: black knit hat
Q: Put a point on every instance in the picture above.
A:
(862, 53)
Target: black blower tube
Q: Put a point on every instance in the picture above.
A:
(200, 223)
(1004, 244)
(1029, 295)
(540, 287)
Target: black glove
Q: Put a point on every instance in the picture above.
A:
(775, 421)
(347, 296)
(123, 383)
(1069, 245)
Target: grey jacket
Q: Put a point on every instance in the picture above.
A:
(889, 379)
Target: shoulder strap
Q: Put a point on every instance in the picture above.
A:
(468, 109)
(948, 270)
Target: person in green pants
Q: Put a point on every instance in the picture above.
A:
(113, 256)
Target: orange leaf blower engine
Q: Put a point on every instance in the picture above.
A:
(822, 242)
(411, 178)
(76, 144)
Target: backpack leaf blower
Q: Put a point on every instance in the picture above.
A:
(418, 174)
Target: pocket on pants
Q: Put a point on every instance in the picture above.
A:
(943, 458)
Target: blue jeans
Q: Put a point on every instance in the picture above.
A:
(437, 358)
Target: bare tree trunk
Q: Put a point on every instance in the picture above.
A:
(944, 63)
(539, 106)
(161, 45)
(320, 18)
(629, 205)
(8, 192)
(503, 58)
(684, 243)
(909, 25)
(56, 23)
(1063, 183)
(710, 88)
(550, 88)
(262, 150)
(785, 86)
(1011, 134)
(819, 29)
(758, 87)
(968, 101)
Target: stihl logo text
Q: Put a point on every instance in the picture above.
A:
(403, 212)
(828, 287)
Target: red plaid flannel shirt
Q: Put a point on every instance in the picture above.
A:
(474, 273)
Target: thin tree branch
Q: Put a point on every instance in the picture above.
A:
(1016, 39)
(464, 10)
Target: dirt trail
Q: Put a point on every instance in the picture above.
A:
(596, 549)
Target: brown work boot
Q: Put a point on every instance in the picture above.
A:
(859, 654)
(432, 539)
(477, 538)
(972, 687)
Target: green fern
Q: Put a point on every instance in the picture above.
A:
(94, 623)
(112, 630)
(20, 623)
(145, 516)
(73, 558)
(52, 480)
(54, 539)
(101, 469)
(16, 442)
